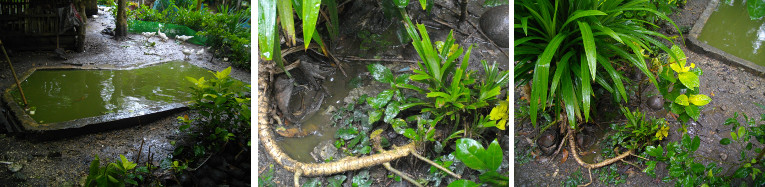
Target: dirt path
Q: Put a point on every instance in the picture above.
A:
(64, 162)
(731, 88)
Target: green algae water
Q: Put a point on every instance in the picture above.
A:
(730, 29)
(65, 94)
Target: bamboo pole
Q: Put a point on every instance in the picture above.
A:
(14, 73)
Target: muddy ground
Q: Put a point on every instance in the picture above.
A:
(361, 16)
(731, 88)
(64, 162)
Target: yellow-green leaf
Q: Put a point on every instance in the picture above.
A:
(700, 100)
(285, 15)
(266, 23)
(689, 79)
(682, 100)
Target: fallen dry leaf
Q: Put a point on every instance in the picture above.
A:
(565, 156)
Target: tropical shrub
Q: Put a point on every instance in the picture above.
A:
(684, 99)
(562, 45)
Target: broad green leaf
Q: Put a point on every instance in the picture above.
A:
(128, 165)
(381, 100)
(463, 183)
(700, 99)
(650, 168)
(697, 168)
(424, 4)
(391, 111)
(682, 100)
(493, 156)
(336, 181)
(569, 100)
(725, 141)
(285, 15)
(756, 9)
(695, 144)
(689, 79)
(693, 111)
(680, 56)
(94, 165)
(615, 76)
(380, 73)
(655, 151)
(562, 66)
(375, 116)
(399, 125)
(583, 13)
(310, 16)
(589, 48)
(266, 23)
(361, 179)
(471, 153)
(741, 172)
(411, 134)
(347, 133)
(741, 132)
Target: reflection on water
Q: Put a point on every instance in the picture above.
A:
(730, 29)
(63, 95)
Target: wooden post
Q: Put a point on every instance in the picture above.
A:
(14, 73)
(80, 45)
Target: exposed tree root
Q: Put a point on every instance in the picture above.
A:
(399, 173)
(320, 169)
(588, 169)
(572, 144)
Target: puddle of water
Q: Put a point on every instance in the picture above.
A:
(730, 29)
(338, 88)
(63, 95)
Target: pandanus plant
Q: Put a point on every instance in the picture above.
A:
(563, 47)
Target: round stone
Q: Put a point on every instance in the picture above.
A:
(495, 23)
(656, 102)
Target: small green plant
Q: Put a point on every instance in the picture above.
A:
(362, 179)
(265, 179)
(575, 179)
(639, 131)
(682, 165)
(684, 98)
(113, 174)
(336, 181)
(486, 161)
(610, 176)
(742, 133)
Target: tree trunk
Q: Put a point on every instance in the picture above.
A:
(199, 5)
(121, 30)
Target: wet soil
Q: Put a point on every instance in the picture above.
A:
(731, 88)
(64, 162)
(360, 16)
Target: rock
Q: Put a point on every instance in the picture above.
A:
(495, 23)
(723, 156)
(15, 167)
(547, 141)
(656, 102)
(324, 151)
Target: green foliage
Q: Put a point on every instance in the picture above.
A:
(609, 175)
(741, 134)
(223, 106)
(436, 175)
(575, 179)
(756, 9)
(487, 161)
(681, 164)
(389, 103)
(113, 174)
(493, 3)
(684, 98)
(562, 45)
(361, 179)
(266, 178)
(336, 181)
(306, 10)
(638, 131)
(228, 30)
